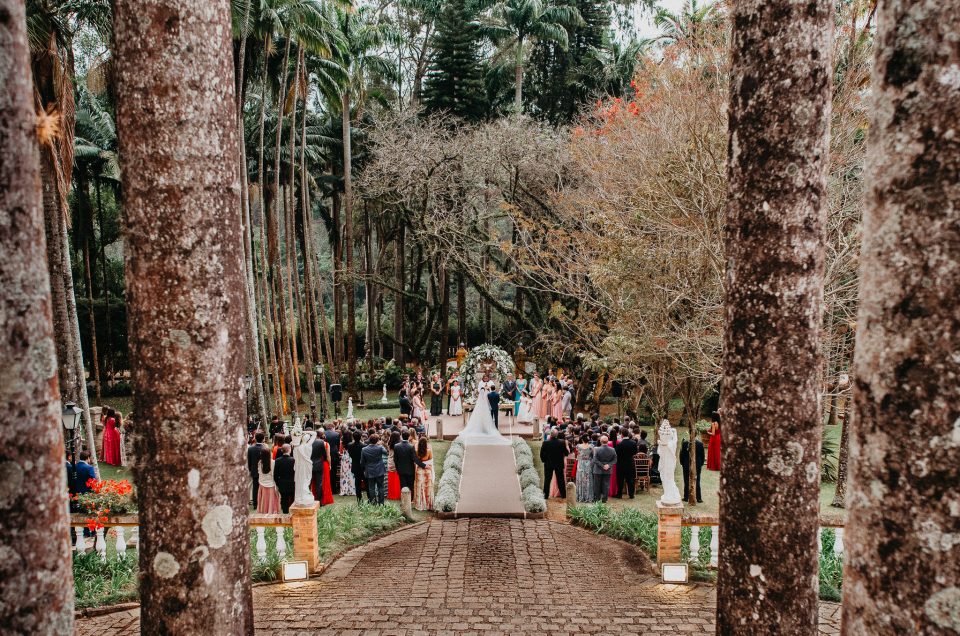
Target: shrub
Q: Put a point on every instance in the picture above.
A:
(523, 464)
(533, 500)
(447, 497)
(453, 462)
(529, 477)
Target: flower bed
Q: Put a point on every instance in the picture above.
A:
(107, 497)
(448, 488)
(531, 494)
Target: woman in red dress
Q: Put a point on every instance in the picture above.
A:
(393, 477)
(713, 449)
(111, 439)
(327, 498)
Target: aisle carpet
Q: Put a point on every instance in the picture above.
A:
(489, 484)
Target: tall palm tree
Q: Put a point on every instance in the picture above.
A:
(688, 23)
(511, 24)
(363, 38)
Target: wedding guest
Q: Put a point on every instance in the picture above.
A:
(626, 470)
(347, 487)
(604, 461)
(423, 483)
(509, 391)
(268, 499)
(553, 453)
(406, 462)
(525, 410)
(584, 478)
(83, 472)
(436, 395)
(521, 389)
(319, 459)
(455, 405)
(253, 459)
(354, 449)
(111, 438)
(642, 446)
(713, 451)
(405, 408)
(685, 464)
(276, 426)
(332, 436)
(393, 478)
(372, 459)
(566, 404)
(283, 476)
(277, 443)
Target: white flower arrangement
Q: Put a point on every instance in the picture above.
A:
(530, 493)
(529, 478)
(533, 500)
(471, 365)
(448, 488)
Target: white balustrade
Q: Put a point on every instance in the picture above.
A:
(101, 544)
(715, 546)
(820, 540)
(261, 543)
(838, 542)
(81, 545)
(281, 546)
(694, 543)
(121, 541)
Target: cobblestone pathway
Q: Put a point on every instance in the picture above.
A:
(475, 576)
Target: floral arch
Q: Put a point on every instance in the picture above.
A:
(484, 359)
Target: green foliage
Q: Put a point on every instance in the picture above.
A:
(629, 524)
(454, 81)
(828, 460)
(97, 582)
(831, 568)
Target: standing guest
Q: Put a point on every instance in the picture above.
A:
(253, 459)
(393, 478)
(713, 451)
(354, 449)
(543, 405)
(83, 473)
(405, 408)
(332, 436)
(604, 460)
(642, 446)
(572, 390)
(454, 378)
(319, 459)
(685, 465)
(584, 479)
(525, 412)
(417, 407)
(372, 459)
(347, 486)
(111, 438)
(509, 391)
(626, 470)
(283, 476)
(268, 499)
(406, 462)
(436, 395)
(521, 388)
(455, 406)
(553, 454)
(423, 482)
(276, 427)
(558, 393)
(536, 393)
(566, 404)
(277, 443)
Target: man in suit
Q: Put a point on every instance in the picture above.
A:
(509, 389)
(494, 398)
(627, 473)
(553, 454)
(354, 448)
(604, 459)
(83, 472)
(406, 460)
(405, 408)
(685, 464)
(318, 458)
(276, 426)
(283, 476)
(374, 470)
(333, 438)
(253, 458)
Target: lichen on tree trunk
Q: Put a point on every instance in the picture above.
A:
(902, 574)
(36, 591)
(776, 216)
(176, 117)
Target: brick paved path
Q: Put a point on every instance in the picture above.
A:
(473, 576)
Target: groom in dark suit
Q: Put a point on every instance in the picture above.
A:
(494, 399)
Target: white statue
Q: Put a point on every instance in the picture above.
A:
(303, 468)
(667, 447)
(384, 399)
(349, 408)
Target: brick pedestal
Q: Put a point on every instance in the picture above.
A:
(668, 533)
(305, 534)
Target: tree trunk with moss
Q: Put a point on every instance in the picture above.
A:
(185, 280)
(779, 119)
(36, 581)
(902, 572)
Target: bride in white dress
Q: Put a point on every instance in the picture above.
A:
(480, 428)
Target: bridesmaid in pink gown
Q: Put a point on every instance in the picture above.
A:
(536, 392)
(546, 402)
(558, 402)
(111, 439)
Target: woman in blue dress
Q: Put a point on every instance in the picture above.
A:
(521, 387)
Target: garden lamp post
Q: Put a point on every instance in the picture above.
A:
(71, 418)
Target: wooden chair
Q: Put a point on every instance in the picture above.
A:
(642, 462)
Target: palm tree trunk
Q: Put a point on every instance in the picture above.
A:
(95, 361)
(105, 289)
(38, 594)
(779, 118)
(904, 450)
(187, 348)
(348, 246)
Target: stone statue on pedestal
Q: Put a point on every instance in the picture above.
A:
(349, 408)
(667, 447)
(303, 468)
(384, 399)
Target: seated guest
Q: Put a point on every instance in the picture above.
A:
(642, 446)
(405, 407)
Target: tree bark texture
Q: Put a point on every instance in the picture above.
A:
(36, 580)
(776, 217)
(184, 281)
(902, 574)
(348, 246)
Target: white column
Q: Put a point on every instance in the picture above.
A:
(820, 540)
(101, 544)
(261, 544)
(281, 546)
(838, 542)
(121, 541)
(81, 545)
(715, 546)
(694, 543)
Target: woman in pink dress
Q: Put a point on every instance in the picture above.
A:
(546, 397)
(268, 499)
(111, 439)
(536, 393)
(558, 402)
